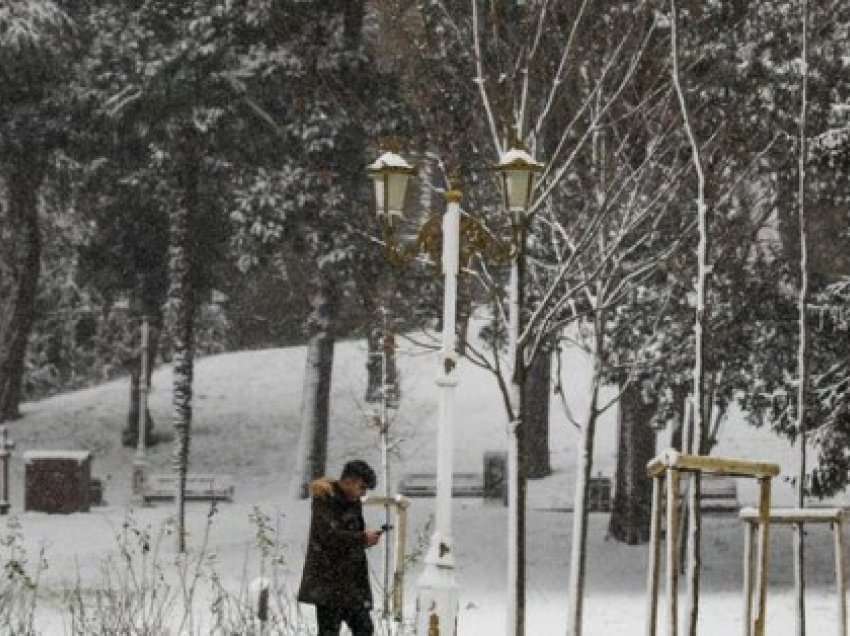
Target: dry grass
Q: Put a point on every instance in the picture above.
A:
(140, 590)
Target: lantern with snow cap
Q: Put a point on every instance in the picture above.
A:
(390, 173)
(519, 172)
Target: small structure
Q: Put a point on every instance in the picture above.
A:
(400, 505)
(95, 492)
(6, 446)
(799, 518)
(496, 476)
(669, 466)
(599, 494)
(57, 481)
(199, 487)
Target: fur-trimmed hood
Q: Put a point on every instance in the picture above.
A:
(322, 487)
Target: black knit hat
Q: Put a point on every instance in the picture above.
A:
(360, 469)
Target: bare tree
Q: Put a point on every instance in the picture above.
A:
(699, 327)
(590, 235)
(803, 350)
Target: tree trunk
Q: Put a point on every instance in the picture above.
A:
(700, 324)
(311, 462)
(632, 488)
(681, 395)
(464, 313)
(182, 297)
(538, 392)
(374, 362)
(803, 350)
(23, 267)
(584, 468)
(382, 361)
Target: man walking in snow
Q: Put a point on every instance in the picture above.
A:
(336, 573)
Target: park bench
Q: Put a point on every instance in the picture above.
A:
(425, 485)
(718, 494)
(199, 487)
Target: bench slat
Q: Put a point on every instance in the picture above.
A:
(198, 487)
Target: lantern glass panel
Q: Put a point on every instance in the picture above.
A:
(518, 182)
(378, 182)
(397, 188)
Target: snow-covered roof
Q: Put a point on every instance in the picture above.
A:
(519, 157)
(392, 161)
(77, 456)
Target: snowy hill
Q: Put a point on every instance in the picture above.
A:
(246, 424)
(246, 419)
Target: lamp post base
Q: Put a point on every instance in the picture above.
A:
(437, 595)
(139, 481)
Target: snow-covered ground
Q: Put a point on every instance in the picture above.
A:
(246, 422)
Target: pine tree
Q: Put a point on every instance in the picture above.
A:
(37, 53)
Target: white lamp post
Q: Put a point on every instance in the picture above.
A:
(437, 599)
(519, 172)
(437, 596)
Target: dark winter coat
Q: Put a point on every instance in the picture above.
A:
(336, 573)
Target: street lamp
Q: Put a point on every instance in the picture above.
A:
(390, 173)
(437, 597)
(519, 172)
(140, 464)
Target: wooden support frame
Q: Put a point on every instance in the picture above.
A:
(668, 467)
(400, 504)
(654, 557)
(799, 518)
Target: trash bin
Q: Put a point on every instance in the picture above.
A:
(57, 481)
(496, 476)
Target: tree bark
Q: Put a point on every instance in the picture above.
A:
(311, 462)
(182, 296)
(381, 361)
(374, 364)
(681, 395)
(630, 516)
(464, 314)
(23, 268)
(538, 392)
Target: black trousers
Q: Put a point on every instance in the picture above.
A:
(330, 619)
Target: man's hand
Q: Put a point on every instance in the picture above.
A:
(372, 537)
